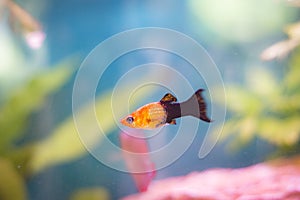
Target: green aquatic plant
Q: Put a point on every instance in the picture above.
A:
(96, 193)
(267, 108)
(12, 185)
(64, 143)
(15, 113)
(68, 141)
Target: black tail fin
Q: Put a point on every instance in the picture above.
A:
(195, 106)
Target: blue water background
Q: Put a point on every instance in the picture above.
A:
(76, 27)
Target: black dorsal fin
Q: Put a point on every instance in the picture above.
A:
(168, 98)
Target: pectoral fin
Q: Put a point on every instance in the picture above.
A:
(168, 98)
(173, 122)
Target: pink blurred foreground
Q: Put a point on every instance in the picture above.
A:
(137, 159)
(279, 179)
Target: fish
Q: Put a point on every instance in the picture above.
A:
(157, 114)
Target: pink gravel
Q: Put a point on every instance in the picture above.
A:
(276, 180)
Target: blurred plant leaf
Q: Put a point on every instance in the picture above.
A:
(286, 105)
(24, 18)
(261, 82)
(265, 109)
(238, 131)
(12, 185)
(281, 132)
(292, 80)
(65, 145)
(15, 111)
(23, 22)
(90, 194)
(280, 49)
(242, 101)
(20, 157)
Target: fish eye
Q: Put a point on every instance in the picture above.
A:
(129, 120)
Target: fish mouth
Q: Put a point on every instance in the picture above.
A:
(122, 121)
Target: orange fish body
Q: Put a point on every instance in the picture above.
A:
(149, 116)
(156, 114)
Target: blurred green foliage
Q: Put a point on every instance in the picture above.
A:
(68, 141)
(14, 115)
(267, 108)
(64, 143)
(90, 194)
(12, 185)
